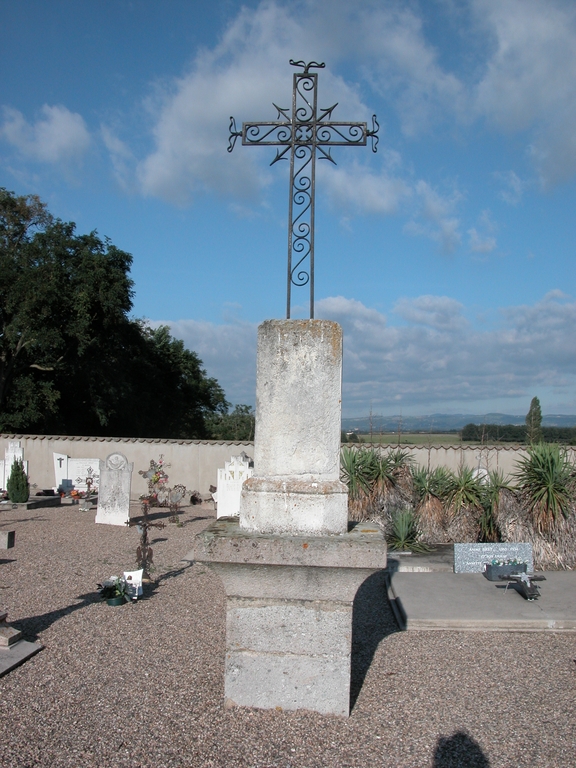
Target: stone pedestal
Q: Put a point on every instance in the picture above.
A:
(289, 612)
(290, 565)
(296, 485)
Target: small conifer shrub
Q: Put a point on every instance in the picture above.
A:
(17, 485)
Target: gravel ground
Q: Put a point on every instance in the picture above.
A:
(142, 684)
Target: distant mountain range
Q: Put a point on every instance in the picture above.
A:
(444, 422)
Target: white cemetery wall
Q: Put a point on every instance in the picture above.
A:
(195, 463)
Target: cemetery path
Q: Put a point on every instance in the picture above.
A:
(141, 685)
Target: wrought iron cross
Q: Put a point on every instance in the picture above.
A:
(302, 133)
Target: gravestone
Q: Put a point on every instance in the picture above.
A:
(80, 469)
(61, 471)
(290, 565)
(114, 490)
(71, 473)
(471, 558)
(230, 481)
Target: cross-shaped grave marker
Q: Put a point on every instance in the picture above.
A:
(302, 133)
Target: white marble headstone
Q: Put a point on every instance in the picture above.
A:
(230, 480)
(80, 469)
(114, 490)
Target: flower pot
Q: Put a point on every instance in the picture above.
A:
(494, 572)
(115, 600)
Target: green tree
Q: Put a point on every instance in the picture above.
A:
(534, 422)
(17, 484)
(72, 361)
(238, 424)
(59, 294)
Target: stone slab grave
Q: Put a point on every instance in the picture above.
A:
(290, 565)
(472, 558)
(114, 490)
(230, 482)
(469, 602)
(13, 650)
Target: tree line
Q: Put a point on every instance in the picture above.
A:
(531, 432)
(516, 433)
(72, 359)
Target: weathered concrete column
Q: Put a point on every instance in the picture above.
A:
(290, 565)
(296, 485)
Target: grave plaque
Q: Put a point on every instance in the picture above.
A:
(471, 558)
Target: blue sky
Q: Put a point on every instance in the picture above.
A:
(448, 256)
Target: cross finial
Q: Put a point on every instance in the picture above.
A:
(302, 132)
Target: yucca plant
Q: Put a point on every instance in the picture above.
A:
(463, 489)
(545, 478)
(359, 469)
(430, 483)
(404, 533)
(491, 496)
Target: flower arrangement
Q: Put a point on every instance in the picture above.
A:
(157, 479)
(509, 562)
(498, 568)
(113, 588)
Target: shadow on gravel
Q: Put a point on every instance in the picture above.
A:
(457, 751)
(150, 587)
(372, 621)
(32, 625)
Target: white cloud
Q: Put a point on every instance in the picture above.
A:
(530, 79)
(433, 359)
(437, 359)
(58, 136)
(227, 350)
(123, 160)
(514, 187)
(436, 212)
(438, 312)
(242, 76)
(481, 243)
(360, 189)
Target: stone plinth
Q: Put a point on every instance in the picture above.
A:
(289, 612)
(296, 485)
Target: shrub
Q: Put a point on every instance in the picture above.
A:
(404, 534)
(545, 477)
(492, 492)
(17, 485)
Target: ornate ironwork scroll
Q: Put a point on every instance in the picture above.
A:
(301, 133)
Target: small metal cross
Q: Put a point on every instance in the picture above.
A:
(302, 133)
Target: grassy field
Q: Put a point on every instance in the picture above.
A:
(412, 438)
